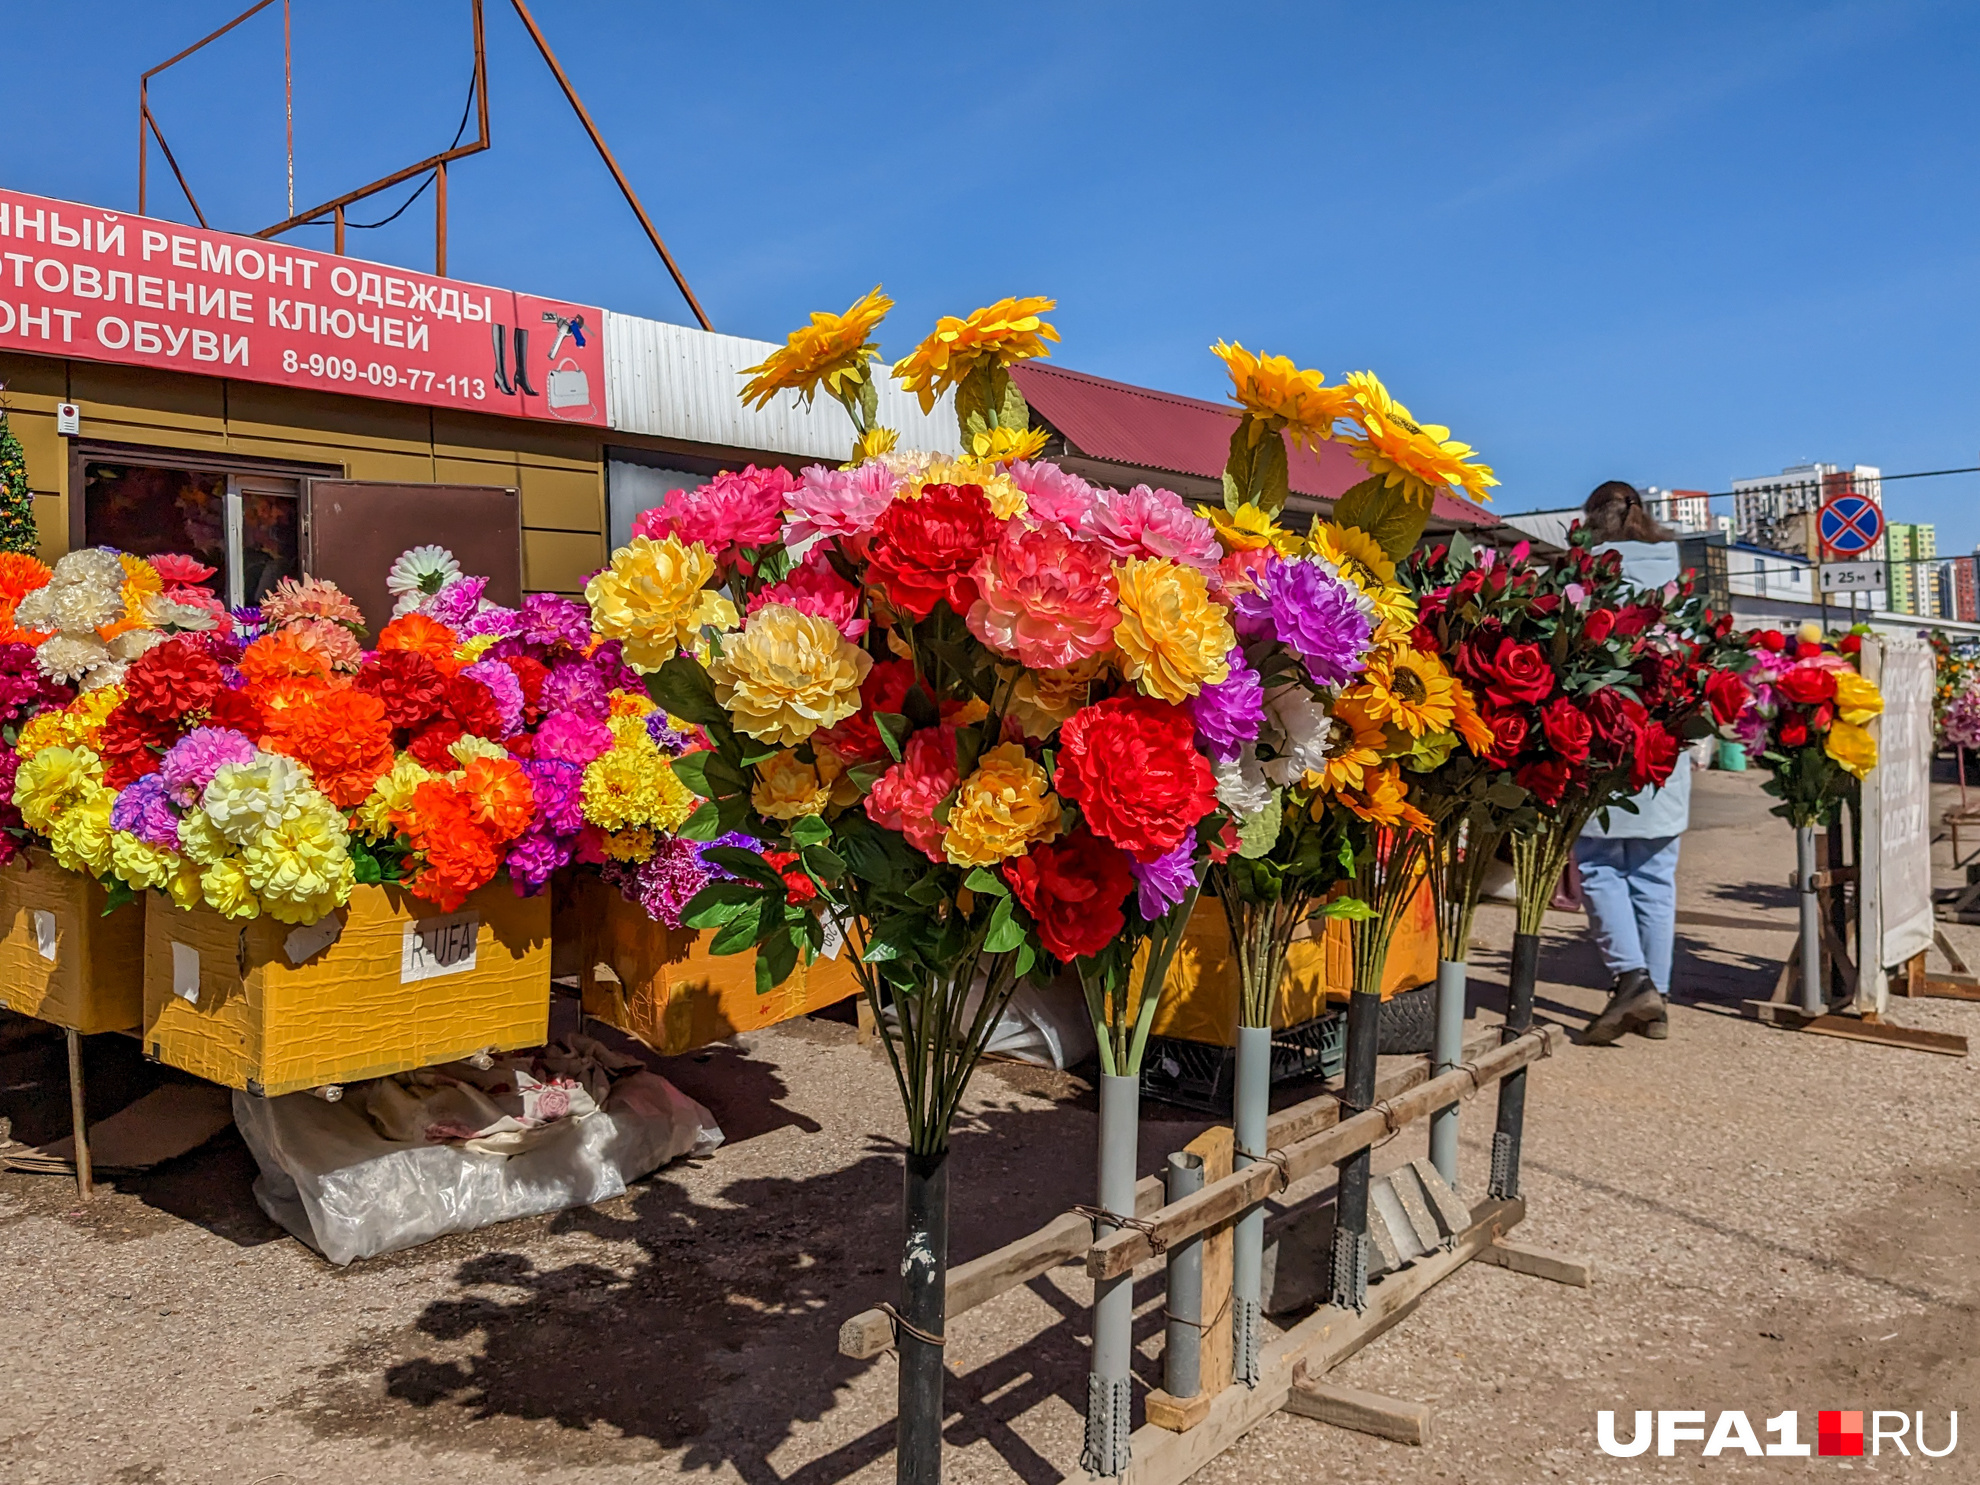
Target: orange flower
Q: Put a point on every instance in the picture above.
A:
(282, 700)
(499, 793)
(1382, 800)
(343, 738)
(280, 655)
(422, 636)
(441, 823)
(1470, 726)
(20, 575)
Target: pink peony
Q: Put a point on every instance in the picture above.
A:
(1145, 522)
(1047, 600)
(814, 587)
(905, 796)
(1051, 494)
(1242, 572)
(730, 512)
(840, 502)
(570, 738)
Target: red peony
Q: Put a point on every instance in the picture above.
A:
(885, 689)
(530, 675)
(172, 679)
(905, 796)
(798, 886)
(1508, 736)
(473, 706)
(131, 744)
(1653, 761)
(1807, 649)
(1772, 639)
(409, 683)
(1131, 764)
(1546, 780)
(1073, 889)
(429, 745)
(1568, 730)
(1807, 685)
(239, 710)
(1728, 696)
(923, 549)
(1850, 644)
(1794, 732)
(1599, 625)
(1513, 674)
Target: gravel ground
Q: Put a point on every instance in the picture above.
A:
(1778, 1221)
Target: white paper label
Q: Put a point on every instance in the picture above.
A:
(835, 938)
(439, 946)
(185, 972)
(302, 943)
(44, 933)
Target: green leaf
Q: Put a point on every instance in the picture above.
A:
(717, 903)
(776, 957)
(704, 824)
(975, 395)
(744, 863)
(928, 890)
(1268, 474)
(869, 401)
(1027, 956)
(116, 892)
(1384, 514)
(893, 729)
(691, 769)
(823, 862)
(1011, 411)
(683, 689)
(986, 882)
(969, 747)
(1005, 932)
(809, 830)
(1352, 908)
(1237, 467)
(738, 933)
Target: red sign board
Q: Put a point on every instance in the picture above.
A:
(101, 286)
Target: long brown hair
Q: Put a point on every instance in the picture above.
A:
(1615, 512)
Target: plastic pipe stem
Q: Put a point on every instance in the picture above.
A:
(1253, 1103)
(1812, 999)
(1109, 1388)
(1364, 1033)
(924, 1303)
(1512, 1088)
(1182, 1351)
(1446, 1049)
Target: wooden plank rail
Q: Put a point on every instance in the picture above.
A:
(1122, 1249)
(1067, 1237)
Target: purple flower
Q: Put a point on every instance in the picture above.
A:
(609, 661)
(665, 882)
(143, 810)
(503, 623)
(532, 857)
(575, 687)
(1164, 882)
(194, 759)
(1229, 713)
(556, 784)
(1315, 613)
(456, 603)
(552, 621)
(733, 838)
(507, 690)
(665, 737)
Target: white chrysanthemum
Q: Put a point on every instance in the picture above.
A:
(1241, 785)
(246, 799)
(37, 610)
(84, 606)
(419, 574)
(93, 567)
(161, 612)
(109, 673)
(134, 642)
(1297, 726)
(68, 657)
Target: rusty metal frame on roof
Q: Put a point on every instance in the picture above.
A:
(149, 128)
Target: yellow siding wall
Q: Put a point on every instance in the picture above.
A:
(559, 470)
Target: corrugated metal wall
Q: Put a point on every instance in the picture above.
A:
(670, 381)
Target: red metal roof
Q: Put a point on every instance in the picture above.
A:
(1141, 427)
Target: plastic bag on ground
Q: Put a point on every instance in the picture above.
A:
(332, 1176)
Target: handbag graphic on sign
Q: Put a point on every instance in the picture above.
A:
(568, 386)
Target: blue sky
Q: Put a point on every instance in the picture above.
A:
(1673, 244)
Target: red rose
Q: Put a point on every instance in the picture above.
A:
(1599, 625)
(1617, 720)
(885, 689)
(1807, 650)
(1653, 761)
(170, 680)
(1516, 674)
(1546, 780)
(1073, 890)
(1794, 732)
(1850, 644)
(410, 685)
(1728, 695)
(472, 706)
(1131, 764)
(1807, 685)
(1508, 736)
(1568, 730)
(1544, 604)
(1772, 639)
(923, 549)
(1636, 618)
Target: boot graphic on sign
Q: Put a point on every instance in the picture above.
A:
(501, 335)
(522, 364)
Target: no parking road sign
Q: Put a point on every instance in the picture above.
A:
(1850, 525)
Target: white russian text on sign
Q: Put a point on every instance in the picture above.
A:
(1853, 577)
(439, 946)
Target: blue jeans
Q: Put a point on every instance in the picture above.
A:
(1630, 888)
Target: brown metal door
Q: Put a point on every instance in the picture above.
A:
(354, 529)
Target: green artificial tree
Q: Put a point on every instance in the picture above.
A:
(17, 533)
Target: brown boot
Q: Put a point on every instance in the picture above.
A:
(1634, 1005)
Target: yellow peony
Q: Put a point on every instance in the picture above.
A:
(1857, 698)
(1173, 637)
(654, 599)
(1006, 499)
(53, 781)
(301, 866)
(185, 886)
(76, 725)
(392, 793)
(872, 444)
(1851, 746)
(227, 890)
(140, 864)
(1001, 810)
(80, 839)
(1042, 699)
(467, 746)
(1422, 458)
(788, 787)
(1009, 330)
(1248, 528)
(1269, 387)
(832, 349)
(788, 674)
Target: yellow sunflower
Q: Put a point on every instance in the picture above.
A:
(1269, 387)
(1248, 528)
(832, 349)
(1355, 552)
(1354, 746)
(1465, 717)
(1406, 689)
(1383, 799)
(1422, 458)
(1009, 330)
(1008, 445)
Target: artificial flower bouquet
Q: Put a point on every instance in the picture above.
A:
(1802, 707)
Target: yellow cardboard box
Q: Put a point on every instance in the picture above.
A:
(1200, 996)
(61, 958)
(386, 984)
(673, 994)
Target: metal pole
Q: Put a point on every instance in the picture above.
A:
(924, 1305)
(1446, 1049)
(289, 103)
(1512, 1089)
(1812, 999)
(79, 1117)
(440, 219)
(1182, 1350)
(1252, 1104)
(1364, 1031)
(1109, 1386)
